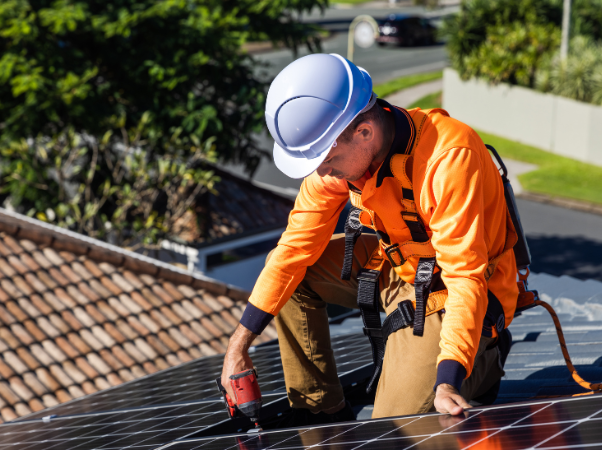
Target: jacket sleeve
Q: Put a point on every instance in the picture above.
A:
(310, 226)
(452, 196)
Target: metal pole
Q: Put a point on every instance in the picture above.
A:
(351, 35)
(566, 23)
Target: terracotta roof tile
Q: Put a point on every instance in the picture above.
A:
(74, 373)
(126, 330)
(202, 306)
(179, 338)
(191, 309)
(149, 323)
(12, 244)
(218, 346)
(66, 347)
(58, 323)
(151, 297)
(6, 270)
(114, 333)
(86, 368)
(200, 330)
(30, 361)
(172, 291)
(3, 346)
(69, 318)
(161, 364)
(112, 287)
(3, 296)
(33, 329)
(189, 334)
(126, 375)
(28, 261)
(5, 371)
(110, 359)
(137, 326)
(67, 256)
(206, 350)
(156, 344)
(34, 384)
(209, 326)
(52, 256)
(147, 279)
(195, 353)
(101, 383)
(83, 317)
(118, 307)
(49, 400)
(63, 396)
(70, 274)
(78, 343)
(47, 379)
(162, 294)
(114, 379)
(8, 394)
(53, 301)
(58, 276)
(141, 301)
(184, 356)
(45, 325)
(122, 356)
(34, 281)
(106, 267)
(29, 308)
(4, 250)
(159, 318)
(54, 351)
(22, 285)
(8, 414)
(225, 301)
(138, 371)
(173, 360)
(65, 298)
(217, 320)
(145, 348)
(132, 279)
(41, 259)
(100, 334)
(76, 392)
(97, 363)
(47, 281)
(134, 352)
(41, 355)
(9, 338)
(95, 314)
(19, 388)
(77, 295)
(149, 367)
(173, 318)
(107, 311)
(212, 302)
(122, 283)
(22, 334)
(92, 268)
(10, 289)
(99, 288)
(90, 294)
(6, 317)
(130, 304)
(22, 409)
(90, 339)
(88, 387)
(168, 341)
(79, 269)
(35, 405)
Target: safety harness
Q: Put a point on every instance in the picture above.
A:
(430, 290)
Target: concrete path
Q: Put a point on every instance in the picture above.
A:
(406, 97)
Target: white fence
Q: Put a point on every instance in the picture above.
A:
(557, 124)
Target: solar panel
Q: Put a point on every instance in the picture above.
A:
(566, 423)
(196, 380)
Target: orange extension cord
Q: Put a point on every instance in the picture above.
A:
(584, 384)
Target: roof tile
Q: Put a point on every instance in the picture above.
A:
(57, 323)
(146, 349)
(130, 304)
(76, 392)
(77, 295)
(4, 250)
(97, 363)
(66, 347)
(22, 409)
(53, 301)
(73, 372)
(65, 298)
(212, 302)
(58, 276)
(149, 323)
(93, 268)
(137, 326)
(23, 286)
(160, 319)
(121, 282)
(41, 355)
(162, 294)
(90, 293)
(69, 318)
(149, 367)
(173, 318)
(49, 400)
(34, 384)
(55, 352)
(8, 394)
(46, 280)
(200, 330)
(5, 370)
(52, 256)
(89, 388)
(114, 332)
(89, 338)
(6, 317)
(110, 359)
(34, 331)
(83, 317)
(19, 388)
(202, 306)
(134, 352)
(209, 326)
(189, 334)
(9, 338)
(48, 328)
(159, 346)
(141, 301)
(167, 340)
(28, 261)
(29, 308)
(112, 287)
(63, 396)
(41, 259)
(102, 336)
(184, 356)
(151, 297)
(101, 383)
(122, 356)
(126, 329)
(10, 289)
(172, 291)
(70, 274)
(86, 368)
(29, 360)
(47, 379)
(79, 269)
(3, 296)
(106, 267)
(126, 375)
(206, 350)
(161, 364)
(132, 279)
(95, 314)
(114, 379)
(22, 334)
(35, 282)
(179, 338)
(138, 371)
(8, 414)
(173, 360)
(78, 343)
(6, 270)
(191, 309)
(3, 346)
(100, 289)
(118, 307)
(195, 352)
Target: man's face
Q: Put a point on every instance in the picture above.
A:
(350, 160)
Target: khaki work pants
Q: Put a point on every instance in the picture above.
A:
(410, 363)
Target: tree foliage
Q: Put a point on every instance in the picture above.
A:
(153, 87)
(508, 40)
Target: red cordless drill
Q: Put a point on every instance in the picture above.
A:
(247, 396)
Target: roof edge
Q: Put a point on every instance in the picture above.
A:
(23, 227)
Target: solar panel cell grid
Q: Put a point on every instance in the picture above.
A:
(196, 380)
(541, 425)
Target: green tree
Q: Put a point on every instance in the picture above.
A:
(138, 83)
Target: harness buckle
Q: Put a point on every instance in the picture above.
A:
(406, 309)
(373, 332)
(368, 275)
(394, 255)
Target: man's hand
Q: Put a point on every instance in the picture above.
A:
(237, 356)
(449, 401)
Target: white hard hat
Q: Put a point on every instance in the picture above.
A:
(309, 104)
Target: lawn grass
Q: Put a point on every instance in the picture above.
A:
(351, 2)
(557, 176)
(384, 89)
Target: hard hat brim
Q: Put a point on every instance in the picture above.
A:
(297, 167)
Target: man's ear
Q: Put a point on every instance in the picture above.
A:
(365, 131)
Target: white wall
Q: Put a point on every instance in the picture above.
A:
(556, 124)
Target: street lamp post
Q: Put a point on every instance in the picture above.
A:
(363, 30)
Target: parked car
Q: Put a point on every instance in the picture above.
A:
(406, 30)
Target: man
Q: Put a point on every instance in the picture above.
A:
(428, 187)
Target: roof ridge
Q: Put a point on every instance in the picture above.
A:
(23, 227)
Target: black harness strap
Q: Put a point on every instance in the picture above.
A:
(367, 300)
(422, 287)
(417, 229)
(494, 317)
(399, 319)
(353, 230)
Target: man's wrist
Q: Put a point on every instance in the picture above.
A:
(450, 372)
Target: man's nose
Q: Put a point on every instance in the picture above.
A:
(323, 170)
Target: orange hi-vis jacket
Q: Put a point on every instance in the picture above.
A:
(460, 199)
